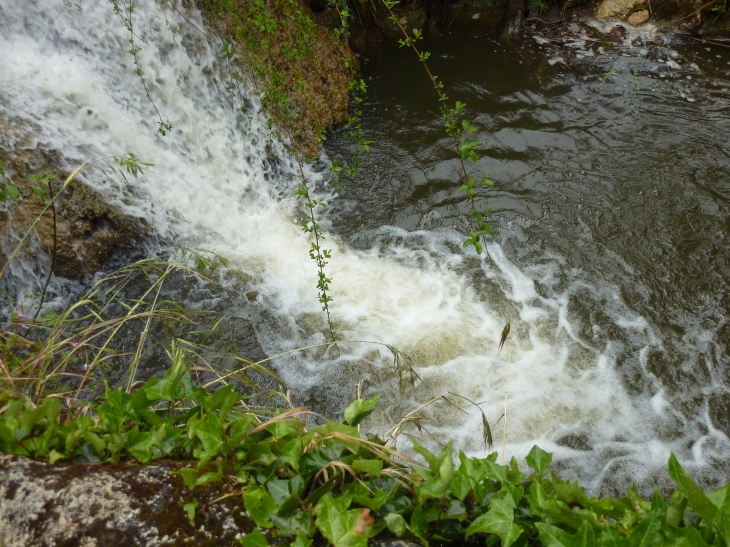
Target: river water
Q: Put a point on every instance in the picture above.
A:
(611, 215)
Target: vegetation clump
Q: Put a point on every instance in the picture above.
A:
(330, 485)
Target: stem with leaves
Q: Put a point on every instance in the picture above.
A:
(356, 88)
(125, 13)
(465, 146)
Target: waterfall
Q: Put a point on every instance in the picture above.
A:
(222, 182)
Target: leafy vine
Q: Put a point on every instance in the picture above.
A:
(465, 146)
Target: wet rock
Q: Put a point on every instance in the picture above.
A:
(392, 542)
(88, 231)
(617, 9)
(638, 18)
(91, 505)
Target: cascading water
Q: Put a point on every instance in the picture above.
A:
(219, 181)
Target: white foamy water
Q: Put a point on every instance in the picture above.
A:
(216, 184)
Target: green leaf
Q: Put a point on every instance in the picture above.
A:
(279, 490)
(54, 456)
(189, 476)
(298, 521)
(555, 537)
(496, 472)
(697, 498)
(40, 193)
(359, 409)
(461, 484)
(208, 431)
(169, 388)
(539, 460)
(259, 505)
(190, 510)
(341, 527)
(419, 525)
(456, 510)
(147, 445)
(649, 532)
(254, 539)
(11, 191)
(498, 520)
(722, 517)
(371, 467)
(302, 540)
(396, 524)
(437, 486)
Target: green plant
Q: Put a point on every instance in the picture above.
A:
(6, 190)
(719, 9)
(538, 6)
(125, 10)
(460, 132)
(328, 482)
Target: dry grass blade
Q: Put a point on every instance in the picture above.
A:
(488, 439)
(503, 337)
(403, 368)
(336, 465)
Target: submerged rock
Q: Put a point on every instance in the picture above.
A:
(92, 505)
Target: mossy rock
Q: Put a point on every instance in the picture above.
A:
(89, 505)
(88, 230)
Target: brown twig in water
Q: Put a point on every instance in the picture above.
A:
(703, 41)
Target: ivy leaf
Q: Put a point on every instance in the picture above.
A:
(279, 490)
(341, 527)
(254, 539)
(539, 460)
(208, 431)
(146, 445)
(700, 502)
(552, 536)
(292, 453)
(498, 520)
(189, 476)
(359, 409)
(371, 467)
(461, 484)
(259, 505)
(298, 521)
(396, 524)
(302, 540)
(190, 510)
(437, 486)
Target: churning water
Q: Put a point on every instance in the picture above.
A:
(610, 259)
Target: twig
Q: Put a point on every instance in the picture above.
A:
(506, 385)
(703, 41)
(53, 254)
